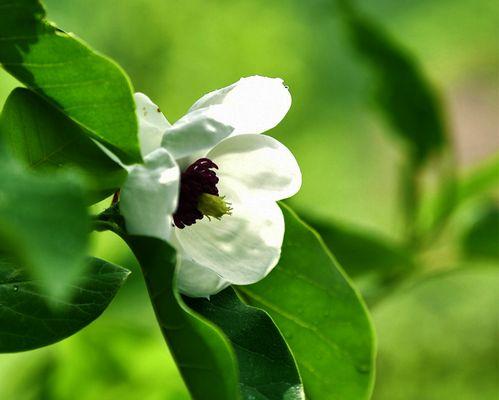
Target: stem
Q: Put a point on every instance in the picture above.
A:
(447, 197)
(110, 220)
(200, 352)
(411, 198)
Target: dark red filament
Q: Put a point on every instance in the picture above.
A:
(197, 179)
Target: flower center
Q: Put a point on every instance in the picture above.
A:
(199, 195)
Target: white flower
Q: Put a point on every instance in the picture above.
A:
(222, 215)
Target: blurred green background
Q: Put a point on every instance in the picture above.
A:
(438, 336)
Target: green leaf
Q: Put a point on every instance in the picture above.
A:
(438, 338)
(320, 314)
(44, 223)
(481, 241)
(481, 181)
(201, 350)
(452, 196)
(44, 138)
(403, 92)
(87, 87)
(28, 322)
(268, 370)
(360, 253)
(376, 265)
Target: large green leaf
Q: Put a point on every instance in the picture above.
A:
(267, 368)
(28, 322)
(202, 352)
(45, 138)
(44, 223)
(86, 86)
(320, 314)
(375, 264)
(360, 253)
(404, 94)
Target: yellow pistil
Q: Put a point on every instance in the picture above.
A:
(213, 206)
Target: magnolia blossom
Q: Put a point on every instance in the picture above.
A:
(210, 182)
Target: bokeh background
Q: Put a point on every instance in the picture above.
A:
(438, 336)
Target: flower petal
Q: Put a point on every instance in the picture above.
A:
(194, 280)
(259, 164)
(251, 105)
(150, 194)
(196, 131)
(152, 123)
(243, 247)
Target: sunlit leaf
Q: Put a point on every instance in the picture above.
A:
(44, 223)
(26, 319)
(267, 368)
(45, 138)
(320, 314)
(86, 86)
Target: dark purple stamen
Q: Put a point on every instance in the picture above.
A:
(197, 179)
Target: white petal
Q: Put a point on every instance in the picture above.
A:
(251, 105)
(259, 164)
(149, 195)
(243, 247)
(152, 123)
(195, 280)
(196, 131)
